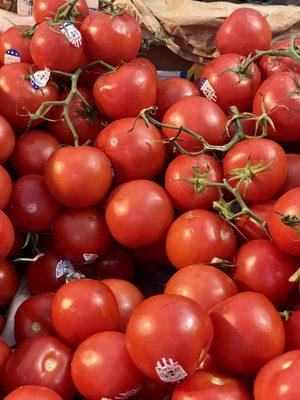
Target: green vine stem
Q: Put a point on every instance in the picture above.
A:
(66, 12)
(108, 7)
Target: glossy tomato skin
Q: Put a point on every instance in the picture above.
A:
(145, 207)
(100, 30)
(33, 393)
(83, 308)
(197, 237)
(9, 282)
(7, 235)
(243, 32)
(13, 38)
(207, 285)
(135, 150)
(5, 187)
(113, 373)
(292, 178)
(252, 338)
(45, 9)
(292, 331)
(7, 140)
(78, 176)
(5, 353)
(146, 63)
(41, 361)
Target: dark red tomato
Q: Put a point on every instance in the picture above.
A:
(82, 308)
(279, 94)
(19, 242)
(78, 176)
(209, 363)
(14, 39)
(9, 282)
(292, 178)
(5, 353)
(153, 254)
(207, 285)
(199, 115)
(261, 162)
(88, 77)
(33, 393)
(197, 237)
(128, 297)
(185, 181)
(230, 87)
(129, 81)
(270, 65)
(32, 206)
(146, 63)
(135, 150)
(50, 48)
(41, 361)
(2, 323)
(279, 378)
(143, 206)
(47, 9)
(33, 317)
(294, 303)
(32, 151)
(7, 140)
(260, 266)
(243, 32)
(81, 235)
(153, 390)
(112, 373)
(252, 329)
(7, 235)
(292, 331)
(286, 208)
(150, 328)
(210, 384)
(100, 30)
(5, 187)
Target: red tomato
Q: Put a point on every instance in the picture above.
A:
(153, 256)
(78, 176)
(263, 164)
(129, 81)
(243, 32)
(41, 361)
(135, 150)
(46, 9)
(100, 30)
(112, 373)
(2, 323)
(33, 393)
(150, 328)
(5, 187)
(292, 178)
(197, 237)
(251, 328)
(7, 140)
(7, 235)
(20, 239)
(248, 126)
(153, 390)
(82, 308)
(88, 77)
(292, 331)
(5, 353)
(144, 207)
(184, 180)
(14, 39)
(146, 63)
(9, 282)
(207, 285)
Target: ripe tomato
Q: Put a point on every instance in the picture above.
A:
(243, 32)
(150, 328)
(82, 308)
(7, 140)
(185, 181)
(32, 206)
(7, 235)
(14, 39)
(47, 9)
(5, 353)
(292, 178)
(263, 164)
(207, 285)
(197, 237)
(252, 338)
(143, 206)
(33, 393)
(78, 176)
(100, 30)
(132, 81)
(5, 187)
(9, 282)
(146, 63)
(135, 150)
(41, 361)
(112, 373)
(292, 331)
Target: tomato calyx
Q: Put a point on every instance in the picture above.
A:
(66, 12)
(200, 179)
(222, 264)
(290, 220)
(107, 7)
(285, 315)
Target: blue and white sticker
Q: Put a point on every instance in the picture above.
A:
(40, 78)
(64, 267)
(207, 90)
(89, 258)
(72, 34)
(12, 56)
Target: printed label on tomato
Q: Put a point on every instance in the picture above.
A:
(207, 89)
(11, 56)
(74, 276)
(72, 34)
(124, 396)
(170, 371)
(90, 258)
(40, 78)
(64, 267)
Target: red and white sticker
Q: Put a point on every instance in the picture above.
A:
(170, 371)
(123, 396)
(207, 89)
(72, 34)
(11, 56)
(39, 79)
(90, 258)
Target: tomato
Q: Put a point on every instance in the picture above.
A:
(207, 285)
(279, 94)
(2, 323)
(197, 237)
(5, 187)
(81, 235)
(18, 97)
(9, 282)
(248, 126)
(112, 372)
(153, 256)
(263, 164)
(143, 206)
(32, 206)
(286, 237)
(232, 88)
(292, 178)
(150, 328)
(46, 9)
(279, 378)
(132, 81)
(5, 353)
(41, 361)
(183, 181)
(7, 140)
(33, 393)
(82, 308)
(78, 176)
(135, 150)
(32, 151)
(7, 235)
(20, 239)
(201, 116)
(14, 39)
(100, 30)
(243, 32)
(292, 331)
(146, 63)
(252, 337)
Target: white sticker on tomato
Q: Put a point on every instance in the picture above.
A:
(123, 396)
(64, 267)
(90, 258)
(39, 79)
(207, 90)
(170, 371)
(74, 276)
(11, 56)
(72, 34)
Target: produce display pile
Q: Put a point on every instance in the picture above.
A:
(156, 224)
